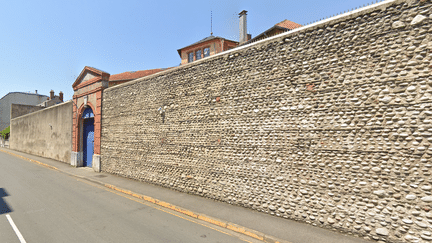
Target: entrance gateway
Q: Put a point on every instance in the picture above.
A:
(88, 137)
(87, 110)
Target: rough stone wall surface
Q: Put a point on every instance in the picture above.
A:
(330, 125)
(47, 133)
(19, 110)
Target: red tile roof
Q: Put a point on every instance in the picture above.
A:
(134, 74)
(283, 26)
(288, 24)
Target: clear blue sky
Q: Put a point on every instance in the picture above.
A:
(44, 45)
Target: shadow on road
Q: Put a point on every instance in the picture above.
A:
(4, 207)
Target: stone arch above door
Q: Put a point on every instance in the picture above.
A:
(88, 90)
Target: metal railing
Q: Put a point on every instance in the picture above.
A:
(347, 11)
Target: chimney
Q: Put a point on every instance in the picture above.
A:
(61, 96)
(35, 91)
(243, 27)
(51, 94)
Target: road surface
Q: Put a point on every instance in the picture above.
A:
(41, 205)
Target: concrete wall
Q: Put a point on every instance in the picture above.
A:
(16, 98)
(329, 124)
(47, 133)
(19, 110)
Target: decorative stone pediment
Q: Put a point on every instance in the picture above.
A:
(89, 74)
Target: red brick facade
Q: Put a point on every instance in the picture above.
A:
(216, 45)
(88, 89)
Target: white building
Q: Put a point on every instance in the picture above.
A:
(17, 98)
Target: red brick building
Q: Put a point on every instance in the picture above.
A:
(208, 46)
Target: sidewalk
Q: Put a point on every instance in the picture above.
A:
(243, 220)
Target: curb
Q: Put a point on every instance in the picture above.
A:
(224, 224)
(228, 225)
(31, 160)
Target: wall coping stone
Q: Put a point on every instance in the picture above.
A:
(45, 109)
(332, 20)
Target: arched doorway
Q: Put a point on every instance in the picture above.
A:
(88, 136)
(87, 116)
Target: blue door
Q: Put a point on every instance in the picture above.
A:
(88, 141)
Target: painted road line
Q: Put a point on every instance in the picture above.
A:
(31, 160)
(231, 226)
(156, 206)
(15, 228)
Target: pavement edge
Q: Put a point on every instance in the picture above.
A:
(215, 221)
(31, 160)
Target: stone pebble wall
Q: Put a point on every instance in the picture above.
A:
(330, 125)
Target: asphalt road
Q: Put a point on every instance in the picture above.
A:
(48, 206)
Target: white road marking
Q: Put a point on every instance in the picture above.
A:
(15, 228)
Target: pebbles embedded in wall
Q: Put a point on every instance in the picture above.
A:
(331, 125)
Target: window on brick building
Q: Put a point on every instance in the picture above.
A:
(190, 57)
(198, 54)
(207, 52)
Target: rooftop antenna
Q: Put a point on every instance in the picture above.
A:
(211, 22)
